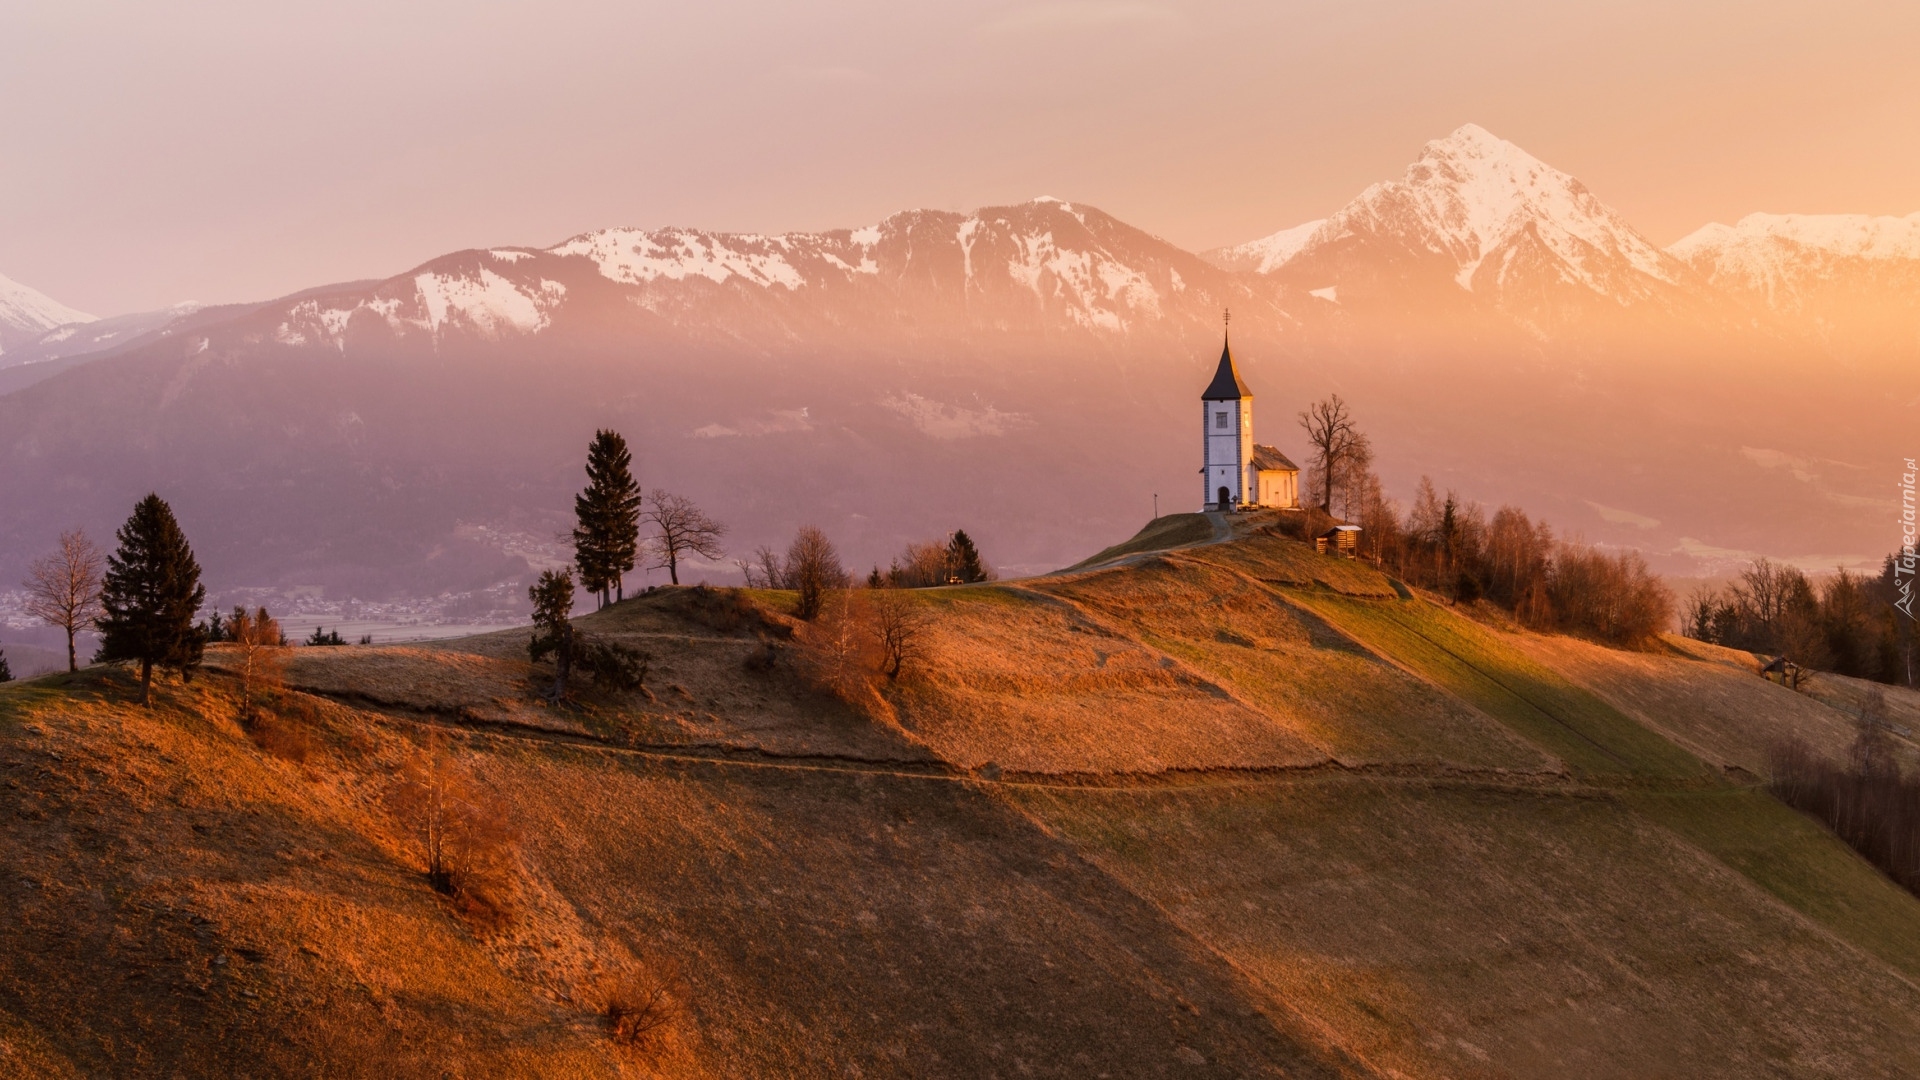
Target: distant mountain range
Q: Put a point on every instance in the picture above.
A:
(1028, 372)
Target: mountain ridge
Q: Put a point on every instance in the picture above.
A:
(1024, 370)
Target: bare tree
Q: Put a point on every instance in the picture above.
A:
(464, 834)
(812, 568)
(1355, 469)
(644, 1005)
(681, 529)
(900, 624)
(920, 566)
(262, 656)
(1335, 442)
(63, 589)
(764, 571)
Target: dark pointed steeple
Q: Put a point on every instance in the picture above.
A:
(1226, 385)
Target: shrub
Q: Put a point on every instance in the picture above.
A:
(280, 736)
(727, 611)
(611, 664)
(644, 1005)
(764, 656)
(463, 834)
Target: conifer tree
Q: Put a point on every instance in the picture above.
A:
(963, 560)
(151, 592)
(6, 673)
(606, 541)
(552, 605)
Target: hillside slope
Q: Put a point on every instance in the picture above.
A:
(1230, 809)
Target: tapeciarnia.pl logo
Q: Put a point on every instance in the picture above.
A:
(1903, 567)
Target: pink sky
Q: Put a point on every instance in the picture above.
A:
(237, 150)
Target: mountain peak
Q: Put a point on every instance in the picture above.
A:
(27, 313)
(1503, 221)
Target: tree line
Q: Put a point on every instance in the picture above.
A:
(1866, 799)
(1449, 545)
(1846, 624)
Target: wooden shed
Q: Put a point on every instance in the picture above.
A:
(1341, 540)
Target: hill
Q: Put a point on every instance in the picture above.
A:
(1226, 808)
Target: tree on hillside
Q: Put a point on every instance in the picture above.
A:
(963, 560)
(680, 529)
(900, 626)
(464, 834)
(606, 541)
(812, 568)
(63, 589)
(923, 565)
(1336, 443)
(553, 634)
(150, 594)
(6, 673)
(257, 638)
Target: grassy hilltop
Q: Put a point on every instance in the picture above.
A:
(1193, 808)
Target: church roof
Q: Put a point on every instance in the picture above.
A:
(1226, 385)
(1269, 459)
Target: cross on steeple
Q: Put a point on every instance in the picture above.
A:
(1226, 317)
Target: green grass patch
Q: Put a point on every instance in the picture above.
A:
(1469, 661)
(1799, 861)
(1171, 531)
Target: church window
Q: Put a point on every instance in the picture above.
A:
(1220, 421)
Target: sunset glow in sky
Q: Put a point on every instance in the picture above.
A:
(229, 150)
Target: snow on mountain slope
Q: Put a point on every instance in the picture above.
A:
(26, 314)
(1777, 256)
(1760, 239)
(1498, 221)
(1040, 266)
(1849, 281)
(1268, 253)
(1073, 257)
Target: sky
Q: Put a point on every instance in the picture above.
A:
(231, 150)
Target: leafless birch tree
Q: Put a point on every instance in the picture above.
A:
(63, 589)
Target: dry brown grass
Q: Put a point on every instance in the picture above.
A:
(1449, 931)
(839, 900)
(1705, 698)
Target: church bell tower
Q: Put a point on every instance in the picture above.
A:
(1226, 417)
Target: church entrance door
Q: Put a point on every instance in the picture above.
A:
(1226, 497)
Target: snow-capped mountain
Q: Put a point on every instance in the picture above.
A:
(1026, 371)
(26, 314)
(1042, 267)
(1851, 276)
(1475, 214)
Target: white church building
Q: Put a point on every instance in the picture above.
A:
(1240, 474)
